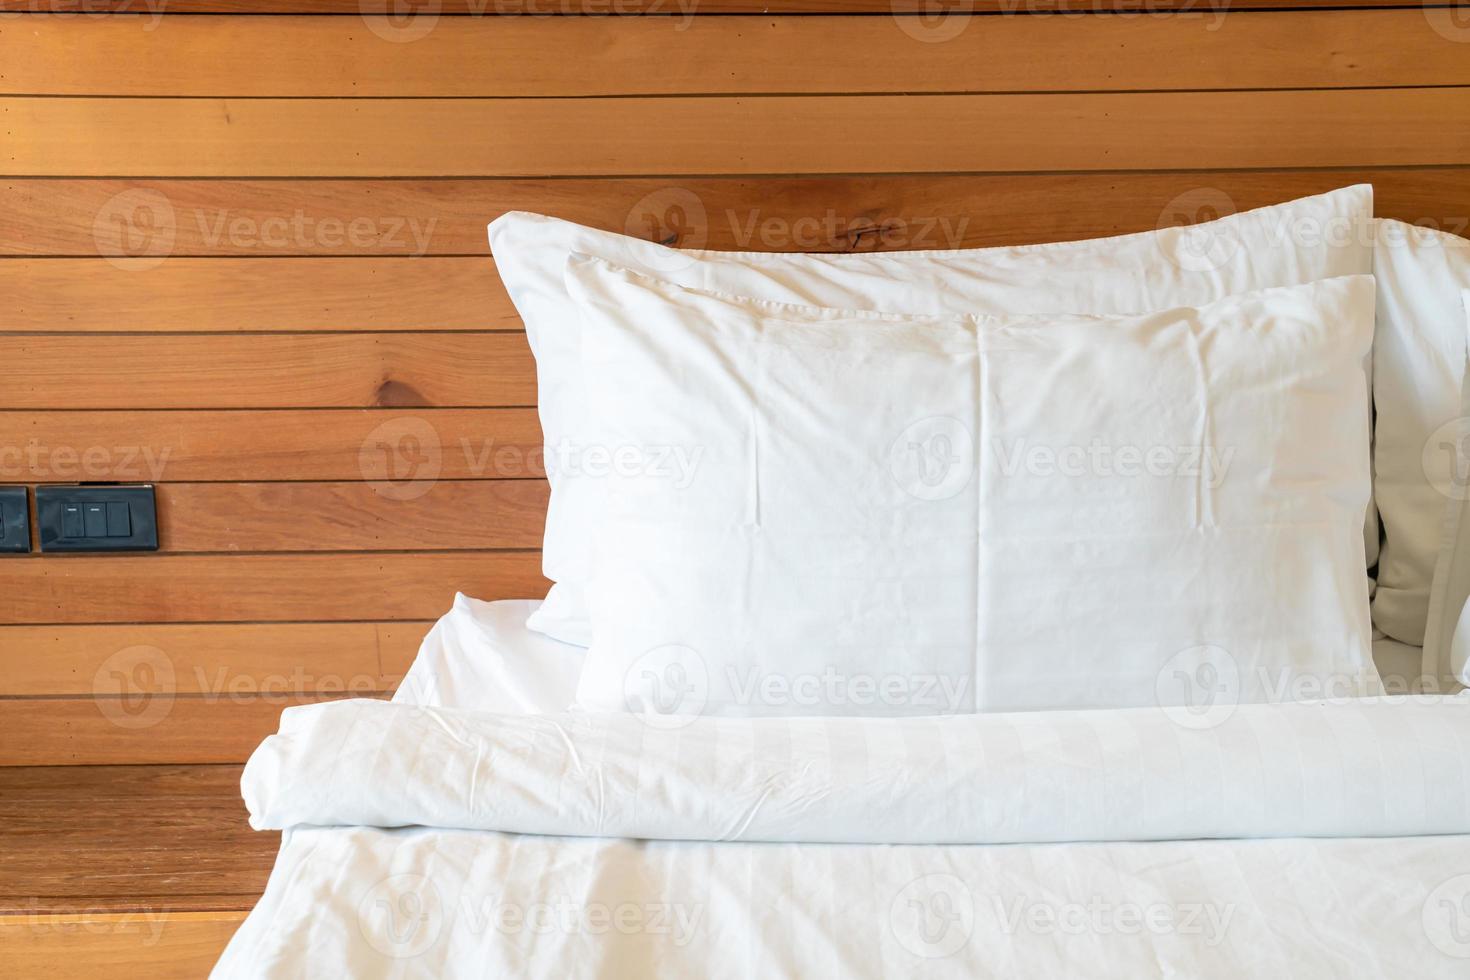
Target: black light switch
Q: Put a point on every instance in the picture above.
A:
(72, 525)
(94, 517)
(97, 518)
(15, 520)
(118, 523)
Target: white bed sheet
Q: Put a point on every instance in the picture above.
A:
(481, 656)
(366, 902)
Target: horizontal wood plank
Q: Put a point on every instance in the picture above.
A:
(115, 294)
(400, 453)
(258, 588)
(733, 135)
(447, 217)
(267, 56)
(462, 293)
(270, 371)
(148, 839)
(451, 515)
(131, 663)
(133, 945)
(78, 732)
(152, 11)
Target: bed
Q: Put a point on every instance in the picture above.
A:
(427, 901)
(276, 386)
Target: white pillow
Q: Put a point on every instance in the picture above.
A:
(1301, 241)
(1418, 369)
(899, 515)
(1447, 637)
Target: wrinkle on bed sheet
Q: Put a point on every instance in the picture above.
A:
(1364, 767)
(370, 903)
(426, 903)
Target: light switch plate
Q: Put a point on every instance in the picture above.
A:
(97, 518)
(15, 520)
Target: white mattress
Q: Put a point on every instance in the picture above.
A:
(367, 902)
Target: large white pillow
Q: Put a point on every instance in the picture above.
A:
(1418, 370)
(1447, 458)
(1301, 241)
(883, 514)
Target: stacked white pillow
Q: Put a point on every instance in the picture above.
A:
(895, 514)
(1298, 242)
(1419, 365)
(1447, 460)
(1303, 241)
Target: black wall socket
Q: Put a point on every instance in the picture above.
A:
(15, 520)
(97, 518)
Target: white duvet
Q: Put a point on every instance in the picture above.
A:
(861, 847)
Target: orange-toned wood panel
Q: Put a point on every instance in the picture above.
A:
(153, 10)
(120, 946)
(134, 839)
(87, 731)
(259, 588)
(220, 661)
(104, 295)
(599, 56)
(402, 453)
(450, 515)
(739, 135)
(271, 371)
(78, 217)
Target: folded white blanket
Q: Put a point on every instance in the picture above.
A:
(1360, 768)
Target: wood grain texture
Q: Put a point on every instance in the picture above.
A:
(269, 371)
(59, 217)
(733, 135)
(156, 731)
(138, 945)
(136, 838)
(402, 453)
(601, 56)
(451, 515)
(217, 660)
(150, 11)
(259, 588)
(106, 295)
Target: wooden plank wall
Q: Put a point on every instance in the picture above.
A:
(242, 255)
